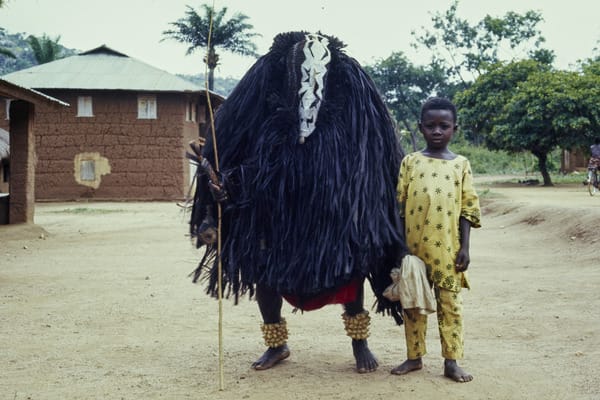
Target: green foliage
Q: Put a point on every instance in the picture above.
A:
(550, 109)
(232, 35)
(404, 87)
(480, 105)
(526, 106)
(499, 162)
(495, 162)
(18, 46)
(44, 48)
(456, 47)
(24, 56)
(460, 47)
(591, 67)
(211, 31)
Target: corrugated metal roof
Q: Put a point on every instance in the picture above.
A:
(101, 68)
(12, 90)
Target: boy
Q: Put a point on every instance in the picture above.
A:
(438, 207)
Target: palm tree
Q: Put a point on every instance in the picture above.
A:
(232, 35)
(7, 53)
(44, 48)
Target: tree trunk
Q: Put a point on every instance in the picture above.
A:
(211, 78)
(542, 164)
(413, 136)
(211, 60)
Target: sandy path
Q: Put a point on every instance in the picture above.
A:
(101, 308)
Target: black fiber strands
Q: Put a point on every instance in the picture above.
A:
(303, 218)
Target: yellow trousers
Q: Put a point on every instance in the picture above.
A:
(450, 323)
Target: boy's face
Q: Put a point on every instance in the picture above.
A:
(437, 128)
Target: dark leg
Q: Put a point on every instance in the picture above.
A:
(456, 373)
(365, 360)
(269, 303)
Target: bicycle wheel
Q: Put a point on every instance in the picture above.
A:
(592, 182)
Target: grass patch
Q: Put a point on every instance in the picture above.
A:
(573, 177)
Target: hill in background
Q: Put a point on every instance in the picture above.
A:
(17, 44)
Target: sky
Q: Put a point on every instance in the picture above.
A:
(371, 29)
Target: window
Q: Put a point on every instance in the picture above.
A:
(146, 107)
(190, 112)
(84, 106)
(88, 170)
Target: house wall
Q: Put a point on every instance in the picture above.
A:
(4, 170)
(4, 121)
(22, 159)
(4, 124)
(135, 159)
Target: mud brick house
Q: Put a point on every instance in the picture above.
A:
(17, 150)
(4, 160)
(125, 134)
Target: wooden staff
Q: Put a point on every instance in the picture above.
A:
(219, 211)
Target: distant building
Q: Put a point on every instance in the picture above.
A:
(125, 134)
(574, 160)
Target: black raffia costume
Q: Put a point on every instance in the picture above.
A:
(308, 217)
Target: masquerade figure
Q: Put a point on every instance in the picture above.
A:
(308, 169)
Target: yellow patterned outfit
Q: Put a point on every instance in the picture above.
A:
(433, 194)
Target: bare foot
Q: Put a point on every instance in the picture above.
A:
(456, 373)
(271, 357)
(365, 360)
(408, 366)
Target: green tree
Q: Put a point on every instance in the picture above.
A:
(465, 48)
(526, 106)
(233, 35)
(404, 86)
(4, 51)
(480, 104)
(44, 48)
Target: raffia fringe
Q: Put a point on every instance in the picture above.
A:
(357, 327)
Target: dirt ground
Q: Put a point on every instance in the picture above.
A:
(96, 303)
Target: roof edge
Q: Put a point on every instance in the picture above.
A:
(103, 49)
(28, 94)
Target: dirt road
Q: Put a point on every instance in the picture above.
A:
(95, 303)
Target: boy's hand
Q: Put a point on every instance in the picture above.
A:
(462, 260)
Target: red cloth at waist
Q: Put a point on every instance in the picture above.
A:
(342, 295)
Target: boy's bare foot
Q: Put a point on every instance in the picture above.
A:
(408, 366)
(365, 360)
(456, 373)
(271, 357)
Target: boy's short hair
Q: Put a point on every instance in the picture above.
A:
(438, 103)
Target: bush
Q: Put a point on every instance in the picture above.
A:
(484, 161)
(493, 162)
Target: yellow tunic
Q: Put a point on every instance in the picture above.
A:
(433, 195)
